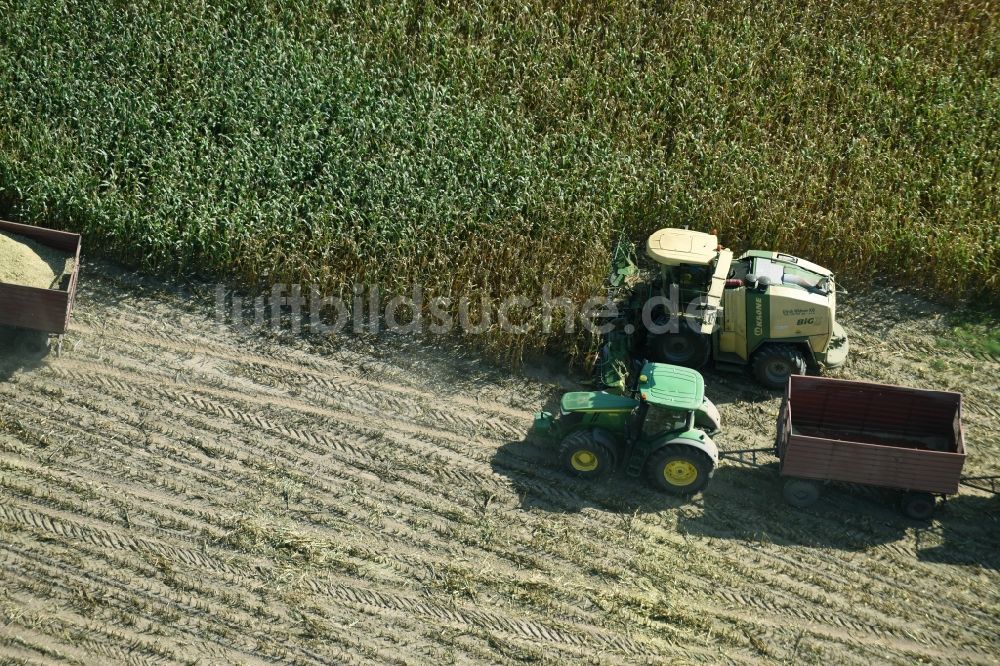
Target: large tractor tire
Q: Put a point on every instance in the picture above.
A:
(587, 454)
(774, 364)
(679, 469)
(685, 347)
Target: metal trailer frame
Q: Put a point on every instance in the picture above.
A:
(44, 310)
(869, 434)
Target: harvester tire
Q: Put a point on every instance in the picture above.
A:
(774, 364)
(679, 470)
(586, 454)
(919, 506)
(685, 347)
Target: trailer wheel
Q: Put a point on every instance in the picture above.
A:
(774, 364)
(919, 506)
(583, 455)
(32, 344)
(680, 470)
(801, 493)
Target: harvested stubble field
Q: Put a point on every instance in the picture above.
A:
(484, 147)
(175, 491)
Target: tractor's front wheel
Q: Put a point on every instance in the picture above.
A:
(680, 470)
(585, 455)
(774, 364)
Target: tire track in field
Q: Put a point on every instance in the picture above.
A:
(114, 540)
(302, 372)
(896, 623)
(812, 562)
(122, 388)
(505, 421)
(322, 489)
(209, 396)
(807, 564)
(317, 442)
(63, 505)
(904, 647)
(197, 616)
(159, 582)
(215, 524)
(428, 483)
(113, 429)
(526, 629)
(794, 610)
(22, 642)
(203, 604)
(83, 649)
(921, 638)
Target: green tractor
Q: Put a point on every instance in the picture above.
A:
(661, 426)
(773, 312)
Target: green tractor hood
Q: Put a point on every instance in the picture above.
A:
(597, 401)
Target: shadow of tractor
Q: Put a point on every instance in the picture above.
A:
(541, 484)
(745, 503)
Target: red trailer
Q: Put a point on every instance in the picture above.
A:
(44, 310)
(873, 434)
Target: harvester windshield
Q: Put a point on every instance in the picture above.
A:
(779, 272)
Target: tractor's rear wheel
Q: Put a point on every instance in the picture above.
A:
(774, 364)
(585, 455)
(679, 470)
(919, 506)
(685, 347)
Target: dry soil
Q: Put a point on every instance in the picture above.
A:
(175, 491)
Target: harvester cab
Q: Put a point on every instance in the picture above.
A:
(769, 310)
(662, 425)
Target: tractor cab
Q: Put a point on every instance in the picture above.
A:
(671, 398)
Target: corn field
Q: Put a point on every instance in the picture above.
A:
(488, 147)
